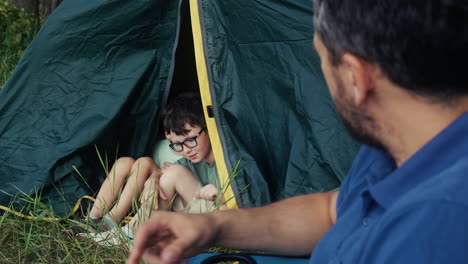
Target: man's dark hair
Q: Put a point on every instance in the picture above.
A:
(421, 45)
(183, 109)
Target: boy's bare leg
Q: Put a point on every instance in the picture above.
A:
(142, 169)
(128, 173)
(111, 187)
(141, 215)
(149, 201)
(176, 179)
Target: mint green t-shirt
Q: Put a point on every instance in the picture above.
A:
(162, 153)
(205, 172)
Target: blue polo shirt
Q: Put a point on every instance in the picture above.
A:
(417, 213)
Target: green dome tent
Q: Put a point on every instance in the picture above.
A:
(99, 72)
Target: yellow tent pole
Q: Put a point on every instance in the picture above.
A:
(206, 100)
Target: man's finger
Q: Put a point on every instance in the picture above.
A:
(173, 252)
(143, 240)
(136, 252)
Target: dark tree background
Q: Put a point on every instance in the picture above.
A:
(39, 8)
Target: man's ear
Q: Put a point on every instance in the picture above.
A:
(358, 74)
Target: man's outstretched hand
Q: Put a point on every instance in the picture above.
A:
(169, 238)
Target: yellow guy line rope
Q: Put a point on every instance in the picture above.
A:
(75, 208)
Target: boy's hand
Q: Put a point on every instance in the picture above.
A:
(208, 192)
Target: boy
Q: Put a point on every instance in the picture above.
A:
(185, 129)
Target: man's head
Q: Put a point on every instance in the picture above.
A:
(185, 127)
(417, 45)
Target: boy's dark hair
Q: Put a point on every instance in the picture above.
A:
(421, 45)
(183, 109)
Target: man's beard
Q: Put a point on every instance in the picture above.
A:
(359, 124)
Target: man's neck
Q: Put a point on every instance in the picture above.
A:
(408, 125)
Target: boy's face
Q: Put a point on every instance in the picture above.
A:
(196, 154)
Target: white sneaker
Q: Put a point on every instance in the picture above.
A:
(109, 238)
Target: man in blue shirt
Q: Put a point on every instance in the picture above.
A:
(394, 70)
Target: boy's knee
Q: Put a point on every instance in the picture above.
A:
(171, 174)
(124, 162)
(145, 162)
(177, 169)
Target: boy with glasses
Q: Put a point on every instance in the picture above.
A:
(189, 185)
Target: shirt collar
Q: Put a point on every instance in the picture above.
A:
(388, 183)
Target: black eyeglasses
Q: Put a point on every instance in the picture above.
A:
(189, 143)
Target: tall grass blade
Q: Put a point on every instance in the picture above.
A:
(104, 165)
(82, 179)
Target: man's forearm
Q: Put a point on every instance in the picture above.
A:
(291, 227)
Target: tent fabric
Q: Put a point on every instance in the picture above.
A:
(271, 102)
(96, 74)
(99, 72)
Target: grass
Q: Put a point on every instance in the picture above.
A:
(43, 238)
(35, 241)
(44, 241)
(8, 62)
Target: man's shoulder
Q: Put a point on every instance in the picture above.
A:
(427, 225)
(427, 231)
(433, 213)
(448, 186)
